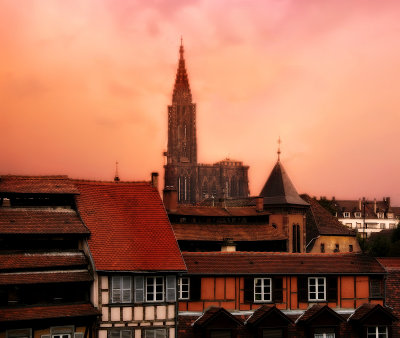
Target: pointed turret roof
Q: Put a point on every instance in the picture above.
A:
(279, 189)
(181, 88)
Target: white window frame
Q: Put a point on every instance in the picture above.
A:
(184, 288)
(346, 214)
(357, 214)
(155, 333)
(262, 290)
(61, 335)
(377, 334)
(123, 289)
(155, 293)
(313, 296)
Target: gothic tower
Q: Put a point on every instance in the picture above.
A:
(181, 167)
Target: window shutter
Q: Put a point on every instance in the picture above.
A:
(195, 288)
(248, 289)
(126, 334)
(116, 289)
(302, 289)
(277, 290)
(332, 289)
(126, 289)
(139, 289)
(171, 288)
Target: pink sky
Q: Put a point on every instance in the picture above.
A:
(86, 83)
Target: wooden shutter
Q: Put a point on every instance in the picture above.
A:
(126, 289)
(332, 291)
(248, 289)
(116, 289)
(171, 288)
(302, 289)
(277, 290)
(195, 288)
(139, 289)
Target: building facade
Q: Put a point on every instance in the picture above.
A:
(193, 181)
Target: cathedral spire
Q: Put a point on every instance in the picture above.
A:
(181, 89)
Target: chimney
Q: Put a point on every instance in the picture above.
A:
(170, 198)
(228, 245)
(259, 203)
(154, 180)
(388, 202)
(374, 205)
(6, 202)
(359, 204)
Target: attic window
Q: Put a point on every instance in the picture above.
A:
(357, 214)
(346, 214)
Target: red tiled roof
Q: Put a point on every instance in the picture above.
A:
(47, 312)
(279, 263)
(393, 291)
(363, 311)
(218, 211)
(324, 222)
(40, 221)
(390, 263)
(217, 232)
(130, 230)
(45, 277)
(41, 260)
(37, 185)
(311, 313)
(212, 313)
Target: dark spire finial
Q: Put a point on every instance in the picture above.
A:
(181, 48)
(116, 177)
(279, 148)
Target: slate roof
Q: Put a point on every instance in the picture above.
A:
(217, 232)
(47, 312)
(37, 185)
(129, 226)
(40, 221)
(41, 277)
(322, 222)
(227, 263)
(279, 189)
(217, 211)
(16, 261)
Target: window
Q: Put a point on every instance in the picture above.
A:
(357, 214)
(183, 287)
(262, 289)
(316, 288)
(65, 335)
(322, 247)
(154, 289)
(381, 215)
(121, 290)
(377, 331)
(358, 225)
(346, 214)
(324, 333)
(375, 288)
(19, 333)
(350, 247)
(336, 248)
(156, 333)
(120, 334)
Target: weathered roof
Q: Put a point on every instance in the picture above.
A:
(37, 185)
(263, 311)
(16, 261)
(315, 311)
(40, 221)
(217, 232)
(322, 221)
(279, 189)
(210, 211)
(212, 314)
(40, 277)
(130, 230)
(280, 263)
(366, 309)
(46, 312)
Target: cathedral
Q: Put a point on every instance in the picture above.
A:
(193, 181)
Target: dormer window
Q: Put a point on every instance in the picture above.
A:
(346, 214)
(357, 214)
(380, 215)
